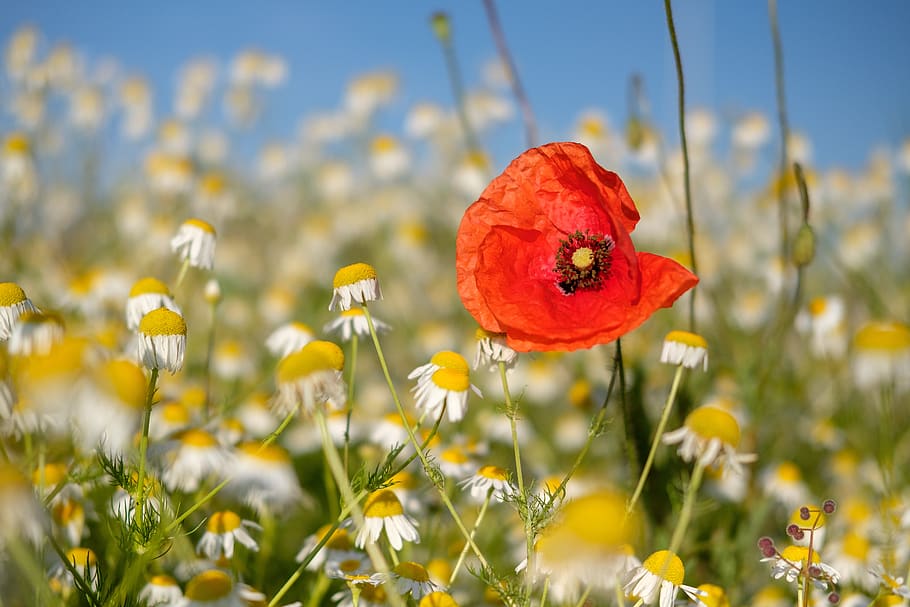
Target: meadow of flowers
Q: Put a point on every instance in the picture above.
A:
(371, 368)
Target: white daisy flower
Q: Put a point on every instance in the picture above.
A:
(492, 350)
(355, 283)
(214, 588)
(147, 294)
(289, 337)
(354, 322)
(409, 577)
(161, 590)
(191, 457)
(108, 412)
(444, 382)
(710, 435)
(349, 565)
(334, 549)
(683, 348)
(824, 319)
(659, 578)
(881, 356)
(22, 515)
(309, 377)
(264, 478)
(35, 333)
(791, 564)
(195, 243)
(383, 511)
(162, 340)
(222, 530)
(487, 478)
(784, 483)
(13, 304)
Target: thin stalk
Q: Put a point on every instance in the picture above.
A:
(681, 92)
(784, 127)
(464, 550)
(352, 368)
(143, 447)
(685, 515)
(668, 406)
(182, 274)
(423, 458)
(584, 596)
(455, 80)
(527, 114)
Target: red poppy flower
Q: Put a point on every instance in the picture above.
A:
(544, 255)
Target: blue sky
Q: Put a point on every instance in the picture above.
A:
(848, 84)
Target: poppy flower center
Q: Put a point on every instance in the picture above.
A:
(583, 261)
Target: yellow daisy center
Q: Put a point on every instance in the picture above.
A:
(17, 143)
(162, 580)
(223, 522)
(688, 339)
(11, 294)
(175, 413)
(450, 360)
(437, 599)
(162, 322)
(349, 565)
(68, 511)
(817, 306)
(482, 333)
(412, 571)
(493, 472)
(81, 558)
(149, 285)
(353, 273)
(888, 336)
(126, 381)
(382, 504)
(269, 453)
(454, 455)
(209, 585)
(711, 422)
(213, 183)
(315, 356)
(54, 474)
(666, 565)
(373, 594)
(202, 225)
(799, 554)
(340, 539)
(452, 380)
(352, 312)
(714, 596)
(384, 143)
(197, 438)
(856, 546)
(581, 516)
(788, 472)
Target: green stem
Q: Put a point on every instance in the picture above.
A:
(584, 597)
(784, 128)
(143, 448)
(681, 89)
(335, 464)
(685, 515)
(464, 550)
(182, 274)
(668, 406)
(423, 458)
(29, 566)
(352, 368)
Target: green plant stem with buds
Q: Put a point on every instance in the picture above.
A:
(423, 458)
(661, 425)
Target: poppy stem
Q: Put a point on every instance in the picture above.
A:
(690, 220)
(527, 114)
(668, 406)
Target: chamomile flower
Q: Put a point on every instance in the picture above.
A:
(443, 383)
(409, 578)
(13, 304)
(289, 338)
(687, 349)
(854, 556)
(893, 584)
(383, 511)
(824, 319)
(492, 350)
(352, 566)
(791, 564)
(264, 478)
(35, 333)
(108, 412)
(710, 435)
(489, 478)
(147, 294)
(784, 483)
(659, 578)
(355, 283)
(195, 243)
(161, 590)
(369, 594)
(353, 322)
(231, 360)
(310, 377)
(222, 530)
(455, 462)
(881, 356)
(162, 340)
(192, 456)
(388, 157)
(214, 588)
